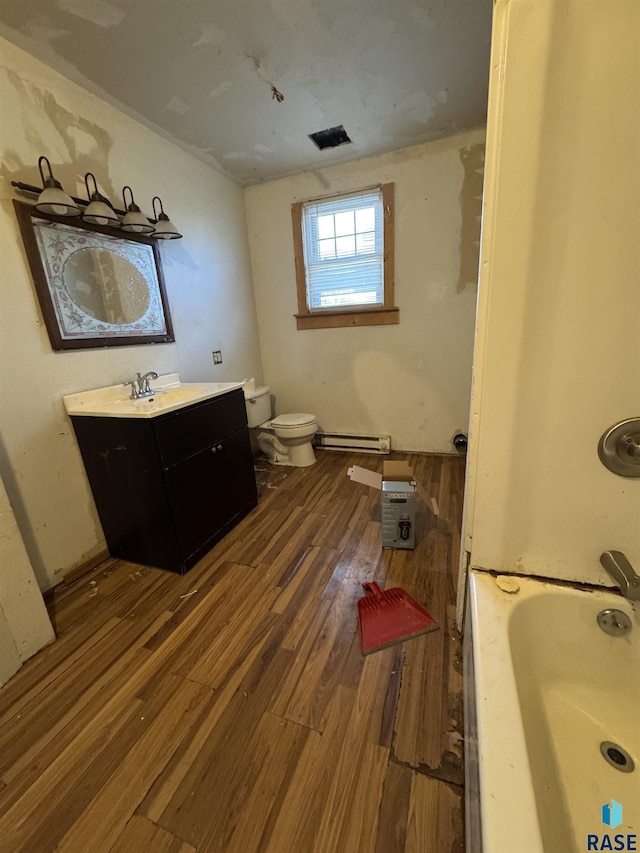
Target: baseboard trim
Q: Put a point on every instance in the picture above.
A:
(86, 567)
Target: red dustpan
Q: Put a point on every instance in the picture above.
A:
(390, 616)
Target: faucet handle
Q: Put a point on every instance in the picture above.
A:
(134, 388)
(620, 569)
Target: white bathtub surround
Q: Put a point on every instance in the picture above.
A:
(557, 346)
(555, 364)
(550, 686)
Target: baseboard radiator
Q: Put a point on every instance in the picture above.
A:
(358, 443)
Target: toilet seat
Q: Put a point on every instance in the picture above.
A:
(285, 440)
(292, 421)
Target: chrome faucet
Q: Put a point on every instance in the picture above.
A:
(616, 564)
(140, 385)
(143, 382)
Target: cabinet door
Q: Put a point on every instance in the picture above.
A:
(188, 431)
(237, 477)
(129, 489)
(209, 489)
(194, 492)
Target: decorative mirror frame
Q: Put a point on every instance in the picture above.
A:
(58, 307)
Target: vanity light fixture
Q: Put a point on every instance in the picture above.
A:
(165, 229)
(99, 210)
(134, 220)
(53, 199)
(96, 209)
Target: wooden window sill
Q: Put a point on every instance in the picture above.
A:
(337, 319)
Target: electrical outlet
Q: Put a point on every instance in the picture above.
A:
(217, 356)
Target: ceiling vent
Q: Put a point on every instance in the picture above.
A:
(332, 137)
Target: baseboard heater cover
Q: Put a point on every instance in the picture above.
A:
(347, 441)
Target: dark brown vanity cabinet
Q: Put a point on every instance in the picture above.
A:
(168, 488)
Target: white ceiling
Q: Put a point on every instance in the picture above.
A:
(393, 72)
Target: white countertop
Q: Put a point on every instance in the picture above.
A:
(169, 395)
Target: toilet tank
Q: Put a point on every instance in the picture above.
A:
(258, 405)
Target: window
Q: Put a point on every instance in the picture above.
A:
(344, 260)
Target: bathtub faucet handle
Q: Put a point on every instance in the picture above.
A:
(616, 564)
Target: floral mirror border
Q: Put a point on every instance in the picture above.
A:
(68, 325)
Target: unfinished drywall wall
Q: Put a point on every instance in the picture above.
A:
(24, 623)
(208, 282)
(412, 380)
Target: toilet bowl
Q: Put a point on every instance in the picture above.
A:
(285, 439)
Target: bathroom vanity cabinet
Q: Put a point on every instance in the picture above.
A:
(167, 488)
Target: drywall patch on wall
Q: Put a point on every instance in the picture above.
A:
(41, 31)
(79, 145)
(95, 11)
(472, 159)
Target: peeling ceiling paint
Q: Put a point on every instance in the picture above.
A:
(395, 73)
(209, 35)
(220, 89)
(178, 105)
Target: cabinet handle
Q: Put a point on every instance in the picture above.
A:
(219, 447)
(213, 449)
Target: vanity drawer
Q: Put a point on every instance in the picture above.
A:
(182, 434)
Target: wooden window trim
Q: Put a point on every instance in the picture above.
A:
(387, 314)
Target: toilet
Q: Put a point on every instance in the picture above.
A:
(285, 439)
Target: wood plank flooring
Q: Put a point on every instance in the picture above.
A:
(230, 710)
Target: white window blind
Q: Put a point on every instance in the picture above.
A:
(343, 251)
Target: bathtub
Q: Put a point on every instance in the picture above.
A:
(544, 688)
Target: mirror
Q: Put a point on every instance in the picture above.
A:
(106, 286)
(97, 286)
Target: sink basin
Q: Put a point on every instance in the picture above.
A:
(169, 395)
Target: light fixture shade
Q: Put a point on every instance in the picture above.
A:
(54, 200)
(100, 213)
(136, 222)
(165, 229)
(99, 210)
